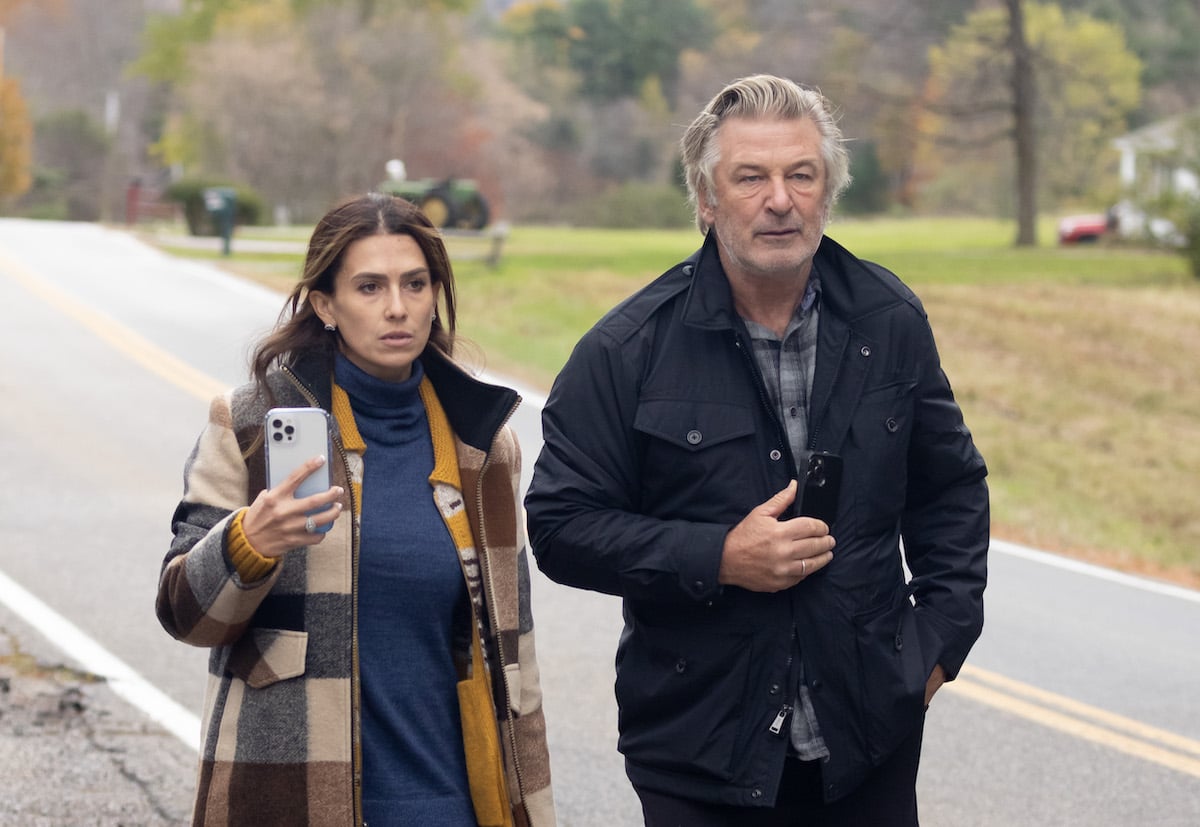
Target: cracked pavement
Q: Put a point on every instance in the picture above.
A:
(74, 753)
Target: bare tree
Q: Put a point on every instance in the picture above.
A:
(1024, 104)
(1026, 96)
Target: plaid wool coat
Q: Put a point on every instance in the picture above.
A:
(280, 740)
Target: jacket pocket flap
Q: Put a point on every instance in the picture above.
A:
(266, 656)
(693, 425)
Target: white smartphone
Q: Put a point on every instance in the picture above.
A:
(294, 436)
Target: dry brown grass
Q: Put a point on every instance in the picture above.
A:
(1084, 403)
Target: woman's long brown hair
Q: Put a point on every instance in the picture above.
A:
(299, 331)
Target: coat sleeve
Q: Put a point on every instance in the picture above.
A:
(201, 598)
(946, 521)
(585, 524)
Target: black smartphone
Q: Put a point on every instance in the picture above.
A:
(822, 487)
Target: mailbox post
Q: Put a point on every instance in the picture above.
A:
(221, 202)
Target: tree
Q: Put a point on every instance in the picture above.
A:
(1165, 35)
(304, 103)
(72, 149)
(614, 47)
(16, 139)
(1055, 86)
(16, 132)
(1024, 102)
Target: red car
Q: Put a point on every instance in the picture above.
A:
(1077, 229)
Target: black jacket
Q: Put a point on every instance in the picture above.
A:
(659, 439)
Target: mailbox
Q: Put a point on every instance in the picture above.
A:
(221, 203)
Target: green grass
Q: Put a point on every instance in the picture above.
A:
(1074, 366)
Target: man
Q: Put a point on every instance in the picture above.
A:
(770, 671)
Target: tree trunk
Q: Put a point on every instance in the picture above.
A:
(1024, 134)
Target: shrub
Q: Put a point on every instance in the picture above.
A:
(189, 194)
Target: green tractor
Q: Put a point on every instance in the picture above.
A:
(450, 203)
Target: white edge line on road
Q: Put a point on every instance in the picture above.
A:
(1098, 572)
(99, 661)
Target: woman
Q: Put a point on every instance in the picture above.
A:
(339, 659)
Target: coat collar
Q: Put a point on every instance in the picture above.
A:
(476, 410)
(850, 288)
(851, 291)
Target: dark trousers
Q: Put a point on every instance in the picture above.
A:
(888, 798)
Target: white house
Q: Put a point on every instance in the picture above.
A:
(1147, 173)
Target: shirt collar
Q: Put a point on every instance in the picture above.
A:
(812, 294)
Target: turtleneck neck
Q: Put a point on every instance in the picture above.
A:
(385, 412)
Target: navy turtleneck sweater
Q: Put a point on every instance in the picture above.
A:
(411, 595)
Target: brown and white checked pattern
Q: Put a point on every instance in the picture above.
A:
(277, 743)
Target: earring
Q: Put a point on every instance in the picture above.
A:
(331, 327)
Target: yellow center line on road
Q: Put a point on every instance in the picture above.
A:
(139, 349)
(1078, 719)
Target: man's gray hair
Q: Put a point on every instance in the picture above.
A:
(761, 97)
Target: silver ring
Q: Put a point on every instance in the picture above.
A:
(310, 526)
(803, 568)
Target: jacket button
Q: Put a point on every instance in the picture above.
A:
(892, 425)
(776, 455)
(694, 437)
(774, 690)
(899, 641)
(681, 665)
(865, 350)
(756, 793)
(687, 269)
(816, 684)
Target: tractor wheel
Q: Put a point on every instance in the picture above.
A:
(436, 206)
(473, 213)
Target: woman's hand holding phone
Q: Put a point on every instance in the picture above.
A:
(277, 521)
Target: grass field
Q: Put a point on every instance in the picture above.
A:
(1074, 366)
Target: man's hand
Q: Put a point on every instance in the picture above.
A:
(764, 554)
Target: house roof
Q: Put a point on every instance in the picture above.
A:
(1156, 136)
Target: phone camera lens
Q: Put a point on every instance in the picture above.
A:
(276, 423)
(289, 430)
(278, 437)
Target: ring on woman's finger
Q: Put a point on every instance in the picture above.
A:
(310, 526)
(803, 568)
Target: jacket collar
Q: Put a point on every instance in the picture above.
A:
(476, 410)
(709, 302)
(849, 289)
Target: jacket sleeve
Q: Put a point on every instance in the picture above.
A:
(945, 525)
(585, 524)
(201, 598)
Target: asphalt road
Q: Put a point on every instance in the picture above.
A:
(1078, 706)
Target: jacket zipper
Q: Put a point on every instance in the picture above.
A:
(784, 711)
(494, 620)
(355, 711)
(777, 725)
